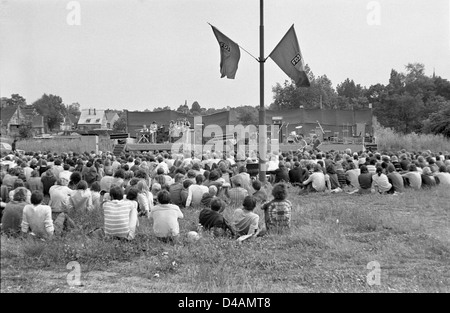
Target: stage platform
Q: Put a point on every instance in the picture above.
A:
(283, 147)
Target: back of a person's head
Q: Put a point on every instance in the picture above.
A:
(373, 161)
(37, 197)
(279, 191)
(116, 192)
(66, 166)
(179, 178)
(364, 169)
(163, 197)
(20, 195)
(216, 204)
(75, 177)
(132, 193)
(256, 184)
(379, 170)
(317, 168)
(18, 183)
(426, 171)
(249, 203)
(160, 171)
(242, 169)
(82, 185)
(187, 183)
(391, 168)
(199, 179)
(442, 169)
(95, 186)
(212, 190)
(156, 187)
(412, 167)
(120, 173)
(191, 174)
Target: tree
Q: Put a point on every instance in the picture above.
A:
(248, 115)
(161, 109)
(120, 125)
(439, 122)
(26, 129)
(74, 109)
(16, 99)
(400, 112)
(349, 89)
(51, 107)
(196, 108)
(183, 109)
(289, 96)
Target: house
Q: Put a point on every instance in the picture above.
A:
(111, 118)
(37, 121)
(10, 120)
(91, 119)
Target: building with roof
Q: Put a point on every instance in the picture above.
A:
(111, 118)
(91, 119)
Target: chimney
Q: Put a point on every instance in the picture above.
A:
(94, 112)
(89, 111)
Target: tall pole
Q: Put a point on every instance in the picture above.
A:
(262, 110)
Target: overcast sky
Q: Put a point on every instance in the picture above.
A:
(143, 54)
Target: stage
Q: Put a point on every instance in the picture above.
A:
(283, 147)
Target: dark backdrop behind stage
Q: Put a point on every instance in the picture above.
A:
(343, 122)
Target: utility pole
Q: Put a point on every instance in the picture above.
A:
(262, 109)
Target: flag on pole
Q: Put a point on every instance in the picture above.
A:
(229, 54)
(288, 57)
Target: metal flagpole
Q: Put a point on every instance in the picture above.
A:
(262, 110)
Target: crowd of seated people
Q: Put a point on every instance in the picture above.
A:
(40, 192)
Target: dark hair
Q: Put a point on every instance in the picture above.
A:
(82, 185)
(249, 203)
(20, 195)
(364, 169)
(187, 183)
(256, 184)
(132, 193)
(279, 191)
(75, 177)
(163, 197)
(379, 171)
(18, 183)
(120, 173)
(66, 167)
(116, 192)
(216, 204)
(95, 186)
(37, 197)
(199, 179)
(391, 168)
(160, 171)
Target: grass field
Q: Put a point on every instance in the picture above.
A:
(332, 240)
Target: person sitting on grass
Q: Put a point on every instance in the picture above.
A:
(165, 218)
(443, 175)
(120, 215)
(428, 180)
(245, 221)
(260, 195)
(380, 181)
(211, 219)
(413, 177)
(365, 181)
(12, 214)
(316, 181)
(81, 199)
(277, 213)
(37, 218)
(209, 196)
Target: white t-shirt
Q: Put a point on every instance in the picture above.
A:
(165, 220)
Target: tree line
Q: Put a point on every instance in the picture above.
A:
(410, 102)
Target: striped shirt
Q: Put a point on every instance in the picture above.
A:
(120, 218)
(237, 196)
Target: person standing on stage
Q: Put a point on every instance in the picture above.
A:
(153, 130)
